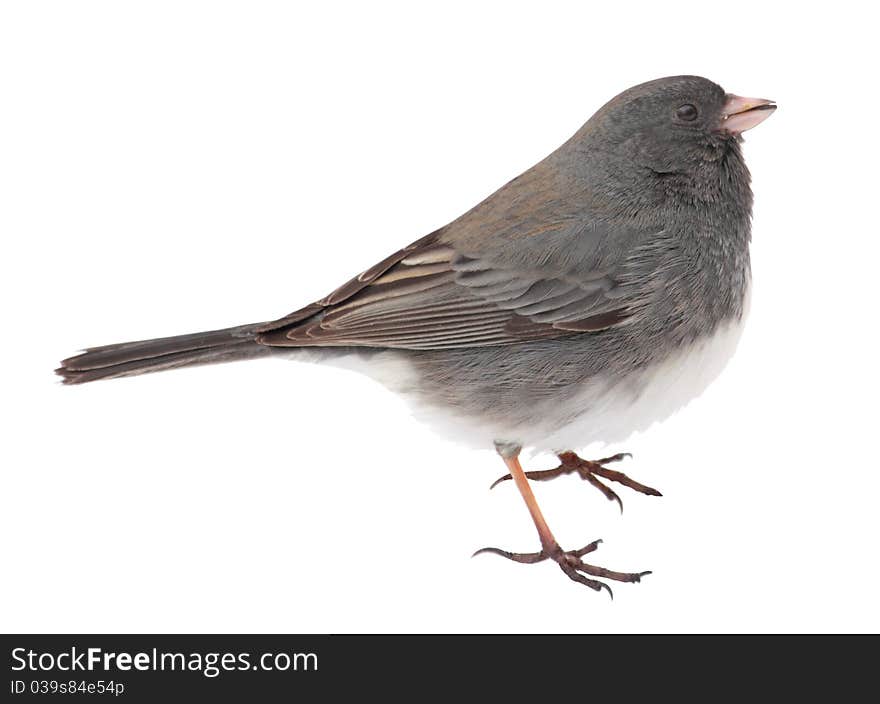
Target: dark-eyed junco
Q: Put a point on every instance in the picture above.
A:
(591, 296)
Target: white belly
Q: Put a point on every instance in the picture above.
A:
(601, 412)
(659, 392)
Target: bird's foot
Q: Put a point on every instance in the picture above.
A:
(589, 470)
(570, 563)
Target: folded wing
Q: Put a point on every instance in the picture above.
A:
(429, 296)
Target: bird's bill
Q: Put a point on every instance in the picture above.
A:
(740, 114)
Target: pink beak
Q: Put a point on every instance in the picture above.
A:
(741, 114)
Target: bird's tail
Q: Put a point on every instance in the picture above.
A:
(130, 358)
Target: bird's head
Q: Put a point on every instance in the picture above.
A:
(675, 124)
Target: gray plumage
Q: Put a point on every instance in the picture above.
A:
(621, 249)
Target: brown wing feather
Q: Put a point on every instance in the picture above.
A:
(428, 296)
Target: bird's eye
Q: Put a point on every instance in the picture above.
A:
(686, 112)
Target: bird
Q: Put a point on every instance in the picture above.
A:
(588, 298)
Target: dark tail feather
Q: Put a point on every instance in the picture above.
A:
(130, 358)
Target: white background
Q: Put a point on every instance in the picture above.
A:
(176, 166)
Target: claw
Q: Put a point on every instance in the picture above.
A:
(594, 584)
(571, 564)
(526, 558)
(610, 494)
(619, 457)
(587, 548)
(540, 475)
(621, 478)
(589, 471)
(499, 480)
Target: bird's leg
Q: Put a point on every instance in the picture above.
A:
(569, 561)
(590, 471)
